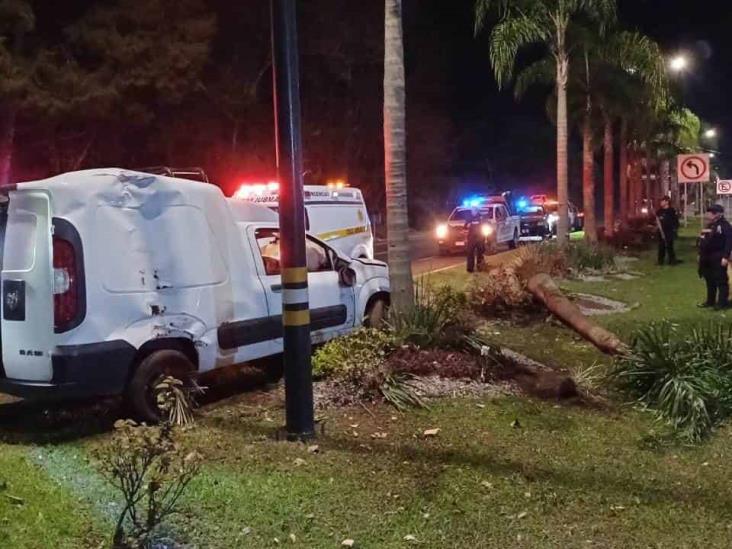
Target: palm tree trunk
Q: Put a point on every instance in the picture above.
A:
(7, 142)
(395, 159)
(562, 137)
(588, 181)
(608, 180)
(623, 172)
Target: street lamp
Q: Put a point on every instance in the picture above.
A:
(679, 63)
(711, 133)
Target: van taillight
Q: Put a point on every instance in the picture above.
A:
(65, 283)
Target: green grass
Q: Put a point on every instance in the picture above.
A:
(35, 511)
(565, 477)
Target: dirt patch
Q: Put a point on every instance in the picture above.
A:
(595, 305)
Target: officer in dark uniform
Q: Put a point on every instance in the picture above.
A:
(668, 226)
(476, 241)
(715, 246)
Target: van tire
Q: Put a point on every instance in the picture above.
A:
(376, 313)
(272, 368)
(140, 395)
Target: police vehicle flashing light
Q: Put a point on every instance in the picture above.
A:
(473, 202)
(522, 204)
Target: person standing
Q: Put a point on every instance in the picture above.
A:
(715, 247)
(476, 241)
(668, 226)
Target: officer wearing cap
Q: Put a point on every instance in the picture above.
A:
(715, 247)
(476, 240)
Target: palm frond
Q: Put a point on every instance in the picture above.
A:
(541, 72)
(510, 35)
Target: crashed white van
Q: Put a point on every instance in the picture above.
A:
(111, 278)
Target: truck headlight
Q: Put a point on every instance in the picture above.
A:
(486, 229)
(441, 231)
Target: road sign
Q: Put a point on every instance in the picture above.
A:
(693, 168)
(724, 186)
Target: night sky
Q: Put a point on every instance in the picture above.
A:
(516, 140)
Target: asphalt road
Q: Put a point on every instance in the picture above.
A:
(425, 257)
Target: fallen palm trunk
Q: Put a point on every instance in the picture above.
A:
(544, 288)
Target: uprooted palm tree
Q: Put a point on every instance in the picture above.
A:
(526, 23)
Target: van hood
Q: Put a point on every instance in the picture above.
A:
(369, 268)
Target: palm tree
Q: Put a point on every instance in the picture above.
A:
(525, 23)
(395, 159)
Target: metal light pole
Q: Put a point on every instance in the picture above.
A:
(300, 422)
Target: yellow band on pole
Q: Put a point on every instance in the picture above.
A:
(296, 318)
(294, 275)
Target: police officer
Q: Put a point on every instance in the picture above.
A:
(476, 240)
(715, 246)
(668, 225)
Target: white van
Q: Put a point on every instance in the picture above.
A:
(111, 278)
(334, 213)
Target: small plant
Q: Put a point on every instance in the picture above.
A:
(148, 467)
(363, 349)
(439, 318)
(177, 400)
(685, 376)
(399, 391)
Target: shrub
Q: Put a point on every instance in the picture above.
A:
(685, 376)
(439, 318)
(147, 465)
(583, 257)
(635, 234)
(365, 349)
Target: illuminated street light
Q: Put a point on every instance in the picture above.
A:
(679, 63)
(710, 133)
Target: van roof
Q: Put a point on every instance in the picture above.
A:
(72, 191)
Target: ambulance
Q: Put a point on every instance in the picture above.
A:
(334, 213)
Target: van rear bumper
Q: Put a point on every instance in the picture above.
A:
(79, 371)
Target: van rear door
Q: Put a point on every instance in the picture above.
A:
(27, 288)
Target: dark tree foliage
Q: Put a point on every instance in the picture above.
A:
(136, 83)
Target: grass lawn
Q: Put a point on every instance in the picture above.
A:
(35, 511)
(502, 472)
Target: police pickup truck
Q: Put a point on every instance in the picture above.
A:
(500, 226)
(113, 278)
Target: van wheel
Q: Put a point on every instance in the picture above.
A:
(140, 393)
(514, 241)
(375, 316)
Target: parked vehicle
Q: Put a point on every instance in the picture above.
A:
(535, 225)
(111, 279)
(576, 217)
(334, 213)
(501, 226)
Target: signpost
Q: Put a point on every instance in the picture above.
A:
(299, 413)
(694, 168)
